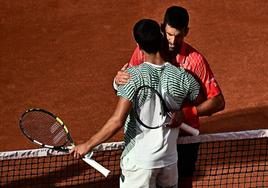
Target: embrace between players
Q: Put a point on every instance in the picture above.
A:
(152, 158)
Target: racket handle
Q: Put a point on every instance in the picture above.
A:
(189, 129)
(97, 166)
(94, 164)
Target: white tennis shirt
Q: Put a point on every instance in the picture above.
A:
(155, 148)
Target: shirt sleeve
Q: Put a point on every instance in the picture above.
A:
(204, 73)
(127, 91)
(193, 87)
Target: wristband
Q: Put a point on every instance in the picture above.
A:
(190, 111)
(190, 116)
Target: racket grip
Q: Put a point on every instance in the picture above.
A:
(97, 166)
(189, 129)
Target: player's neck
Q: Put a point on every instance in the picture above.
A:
(154, 59)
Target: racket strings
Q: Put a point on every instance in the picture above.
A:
(43, 128)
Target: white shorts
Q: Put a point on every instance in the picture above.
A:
(135, 177)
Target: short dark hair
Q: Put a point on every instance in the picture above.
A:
(148, 35)
(176, 17)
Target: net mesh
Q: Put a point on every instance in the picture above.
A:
(236, 159)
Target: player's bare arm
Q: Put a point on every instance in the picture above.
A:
(211, 106)
(110, 128)
(214, 102)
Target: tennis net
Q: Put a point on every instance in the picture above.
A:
(233, 159)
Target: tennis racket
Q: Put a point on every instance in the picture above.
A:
(47, 130)
(151, 111)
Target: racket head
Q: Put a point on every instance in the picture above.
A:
(149, 107)
(45, 129)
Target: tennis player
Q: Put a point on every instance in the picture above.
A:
(150, 157)
(181, 54)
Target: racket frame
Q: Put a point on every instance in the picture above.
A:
(86, 158)
(136, 98)
(167, 112)
(59, 148)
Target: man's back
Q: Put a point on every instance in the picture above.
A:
(156, 148)
(166, 78)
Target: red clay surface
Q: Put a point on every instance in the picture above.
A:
(62, 56)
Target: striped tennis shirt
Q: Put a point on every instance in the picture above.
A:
(155, 148)
(194, 62)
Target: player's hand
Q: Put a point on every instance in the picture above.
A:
(122, 76)
(176, 119)
(80, 150)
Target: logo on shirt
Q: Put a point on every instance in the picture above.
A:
(212, 80)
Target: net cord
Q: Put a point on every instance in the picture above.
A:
(239, 135)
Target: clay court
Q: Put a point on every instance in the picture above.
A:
(63, 55)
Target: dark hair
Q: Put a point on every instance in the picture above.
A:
(176, 17)
(148, 35)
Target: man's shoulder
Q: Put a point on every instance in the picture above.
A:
(134, 69)
(192, 55)
(138, 68)
(176, 73)
(173, 68)
(191, 51)
(136, 73)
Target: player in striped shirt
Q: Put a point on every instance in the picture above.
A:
(149, 158)
(181, 54)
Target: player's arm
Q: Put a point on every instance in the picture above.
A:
(211, 106)
(195, 94)
(122, 77)
(110, 128)
(215, 101)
